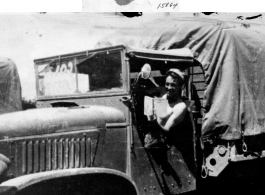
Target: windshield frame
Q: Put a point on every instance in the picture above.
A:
(123, 90)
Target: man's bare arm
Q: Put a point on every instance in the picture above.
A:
(177, 116)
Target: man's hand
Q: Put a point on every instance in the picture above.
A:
(151, 117)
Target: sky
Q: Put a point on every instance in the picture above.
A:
(25, 37)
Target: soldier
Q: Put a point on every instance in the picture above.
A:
(175, 114)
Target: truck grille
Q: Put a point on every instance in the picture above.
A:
(46, 155)
(50, 152)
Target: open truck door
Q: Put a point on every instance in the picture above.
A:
(174, 168)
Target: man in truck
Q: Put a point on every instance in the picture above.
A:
(175, 117)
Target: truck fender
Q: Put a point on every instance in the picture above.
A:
(95, 181)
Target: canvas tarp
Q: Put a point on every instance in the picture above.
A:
(10, 88)
(232, 56)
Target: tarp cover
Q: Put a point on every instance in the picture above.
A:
(10, 88)
(232, 54)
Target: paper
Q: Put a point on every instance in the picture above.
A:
(54, 83)
(148, 106)
(160, 106)
(154, 107)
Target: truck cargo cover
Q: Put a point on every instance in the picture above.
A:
(232, 55)
(10, 88)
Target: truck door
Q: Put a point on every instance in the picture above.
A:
(170, 171)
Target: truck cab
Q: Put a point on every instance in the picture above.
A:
(87, 134)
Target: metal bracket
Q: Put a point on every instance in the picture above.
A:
(218, 160)
(234, 157)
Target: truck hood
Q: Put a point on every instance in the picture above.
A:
(55, 120)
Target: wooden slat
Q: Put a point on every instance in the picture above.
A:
(196, 69)
(199, 86)
(198, 77)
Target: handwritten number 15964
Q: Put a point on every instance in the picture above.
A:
(164, 5)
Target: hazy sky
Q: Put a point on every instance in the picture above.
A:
(25, 37)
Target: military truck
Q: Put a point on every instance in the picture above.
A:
(87, 135)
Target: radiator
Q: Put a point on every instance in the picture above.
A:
(46, 155)
(50, 152)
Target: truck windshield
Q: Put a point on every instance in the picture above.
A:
(84, 73)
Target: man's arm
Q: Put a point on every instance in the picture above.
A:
(176, 117)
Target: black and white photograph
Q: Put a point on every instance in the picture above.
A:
(132, 103)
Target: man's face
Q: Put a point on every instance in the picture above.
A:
(172, 87)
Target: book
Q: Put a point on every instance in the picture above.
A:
(154, 107)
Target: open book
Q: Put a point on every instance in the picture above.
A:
(154, 107)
